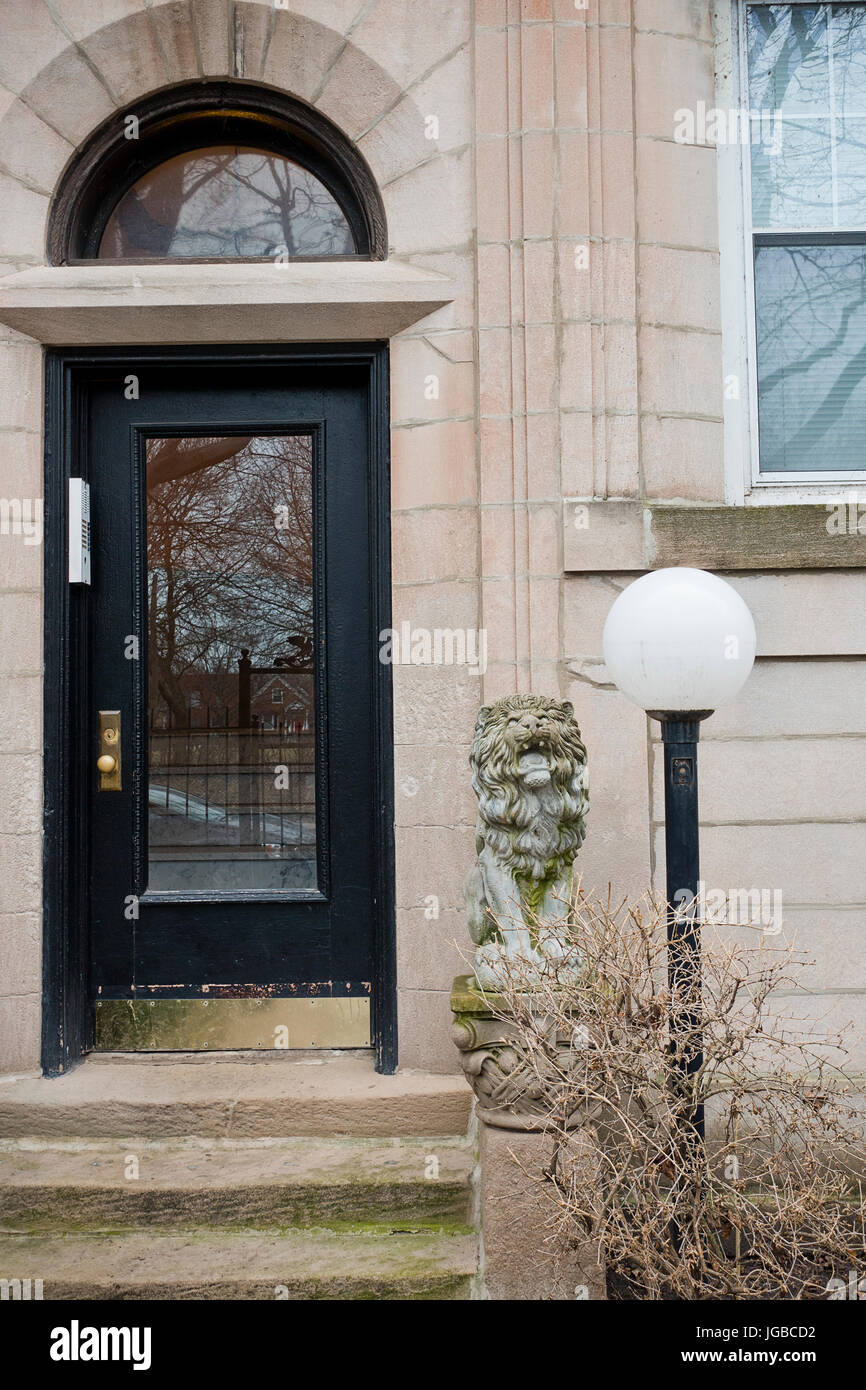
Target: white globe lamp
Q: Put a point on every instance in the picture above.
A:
(679, 643)
(679, 640)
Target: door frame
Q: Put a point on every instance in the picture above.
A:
(67, 1027)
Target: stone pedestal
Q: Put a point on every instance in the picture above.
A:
(524, 1258)
(524, 1255)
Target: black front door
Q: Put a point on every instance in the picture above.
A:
(230, 711)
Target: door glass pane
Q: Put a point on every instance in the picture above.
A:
(811, 319)
(227, 201)
(231, 693)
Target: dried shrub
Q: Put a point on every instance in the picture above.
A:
(772, 1205)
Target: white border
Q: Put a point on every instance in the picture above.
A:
(744, 483)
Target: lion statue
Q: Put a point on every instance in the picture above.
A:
(530, 776)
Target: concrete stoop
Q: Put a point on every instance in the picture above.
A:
(299, 1177)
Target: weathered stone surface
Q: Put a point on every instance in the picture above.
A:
(425, 776)
(300, 52)
(434, 545)
(810, 697)
(266, 1182)
(417, 481)
(808, 863)
(356, 91)
(530, 776)
(832, 940)
(422, 1022)
(603, 535)
(676, 196)
(680, 288)
(683, 460)
(671, 73)
(522, 1259)
(49, 94)
(20, 873)
(263, 1097)
(20, 951)
(253, 1265)
(509, 1090)
(191, 303)
(753, 538)
(429, 948)
(35, 153)
(21, 703)
(784, 780)
(681, 371)
(21, 1023)
(617, 851)
(429, 208)
(691, 18)
(620, 534)
(807, 614)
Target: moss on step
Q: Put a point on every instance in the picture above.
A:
(433, 1205)
(318, 1264)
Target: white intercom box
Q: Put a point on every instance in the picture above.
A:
(79, 531)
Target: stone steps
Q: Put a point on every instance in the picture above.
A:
(203, 1264)
(50, 1185)
(278, 1096)
(304, 1176)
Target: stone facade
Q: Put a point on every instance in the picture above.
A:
(579, 360)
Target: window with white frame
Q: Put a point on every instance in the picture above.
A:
(804, 78)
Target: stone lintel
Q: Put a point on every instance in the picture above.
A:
(302, 301)
(631, 536)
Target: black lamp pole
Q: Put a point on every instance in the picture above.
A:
(680, 734)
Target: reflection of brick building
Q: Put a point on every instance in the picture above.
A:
(279, 699)
(281, 702)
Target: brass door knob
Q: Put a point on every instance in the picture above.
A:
(108, 761)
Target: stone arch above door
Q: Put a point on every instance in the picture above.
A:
(165, 179)
(70, 74)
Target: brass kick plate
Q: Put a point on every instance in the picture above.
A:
(215, 1025)
(108, 761)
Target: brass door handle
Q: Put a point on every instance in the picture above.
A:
(108, 762)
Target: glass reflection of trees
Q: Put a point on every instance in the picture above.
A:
(807, 70)
(807, 77)
(811, 320)
(227, 201)
(230, 566)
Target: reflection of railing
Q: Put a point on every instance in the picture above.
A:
(250, 787)
(250, 829)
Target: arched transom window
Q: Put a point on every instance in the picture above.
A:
(227, 201)
(222, 171)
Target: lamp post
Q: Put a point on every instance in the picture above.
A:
(679, 643)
